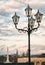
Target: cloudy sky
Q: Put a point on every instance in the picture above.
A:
(10, 37)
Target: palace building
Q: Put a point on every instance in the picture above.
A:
(35, 59)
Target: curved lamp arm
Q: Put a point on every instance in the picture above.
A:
(21, 29)
(35, 28)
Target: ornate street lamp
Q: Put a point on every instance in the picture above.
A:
(28, 11)
(31, 22)
(15, 19)
(38, 16)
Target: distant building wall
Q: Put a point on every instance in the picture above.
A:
(36, 61)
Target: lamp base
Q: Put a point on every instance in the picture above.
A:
(7, 61)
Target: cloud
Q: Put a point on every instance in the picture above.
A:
(37, 49)
(10, 6)
(3, 13)
(13, 5)
(8, 33)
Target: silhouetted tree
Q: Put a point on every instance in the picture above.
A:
(23, 55)
(27, 53)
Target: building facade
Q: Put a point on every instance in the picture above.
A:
(35, 60)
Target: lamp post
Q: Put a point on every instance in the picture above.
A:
(31, 22)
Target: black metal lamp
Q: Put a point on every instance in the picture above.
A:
(38, 16)
(31, 23)
(28, 11)
(15, 19)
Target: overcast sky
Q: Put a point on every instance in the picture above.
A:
(10, 37)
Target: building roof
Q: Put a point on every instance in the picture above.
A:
(39, 56)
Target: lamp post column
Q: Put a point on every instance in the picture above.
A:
(28, 41)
